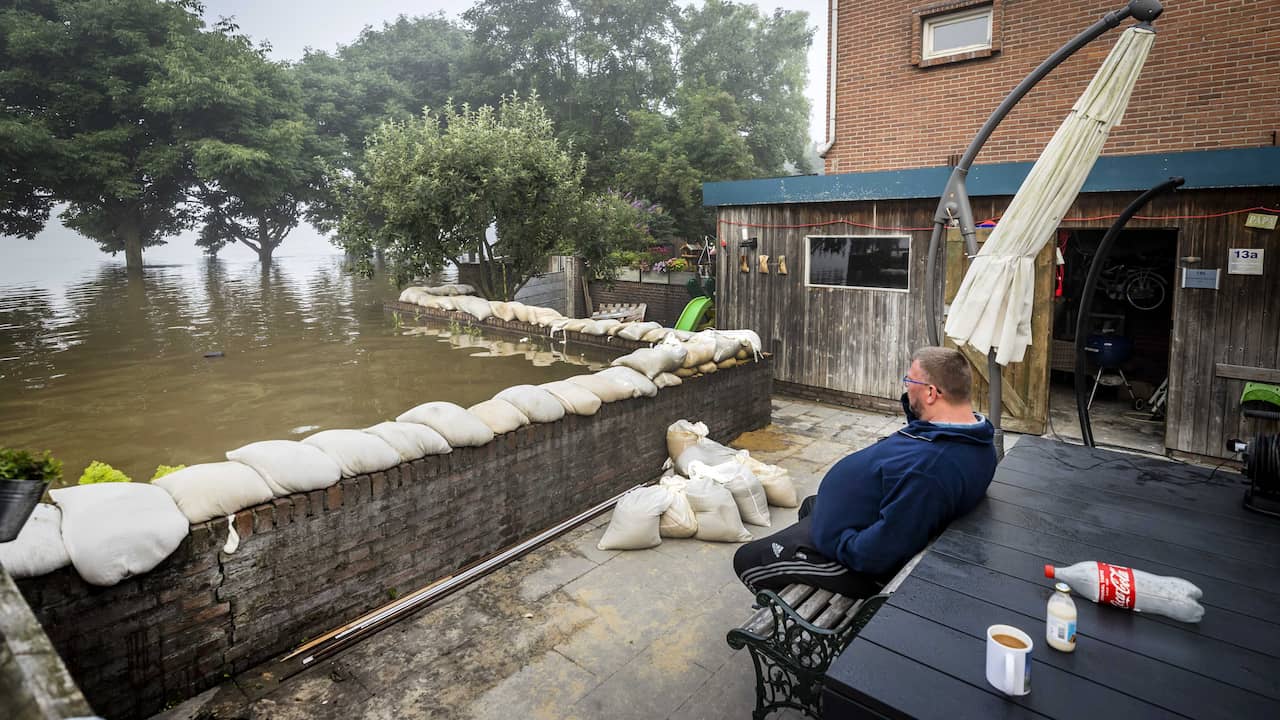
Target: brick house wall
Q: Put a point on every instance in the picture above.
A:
(1208, 84)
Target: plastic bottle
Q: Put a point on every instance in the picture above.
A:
(1060, 619)
(1132, 589)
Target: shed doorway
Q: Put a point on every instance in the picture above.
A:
(1129, 329)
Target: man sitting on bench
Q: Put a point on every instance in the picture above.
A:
(879, 506)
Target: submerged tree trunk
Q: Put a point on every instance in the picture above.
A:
(132, 236)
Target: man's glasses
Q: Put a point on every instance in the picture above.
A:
(906, 379)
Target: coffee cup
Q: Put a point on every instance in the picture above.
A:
(1009, 659)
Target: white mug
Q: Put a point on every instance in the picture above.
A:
(1008, 667)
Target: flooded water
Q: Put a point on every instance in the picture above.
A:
(201, 355)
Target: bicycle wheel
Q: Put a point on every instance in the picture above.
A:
(1145, 291)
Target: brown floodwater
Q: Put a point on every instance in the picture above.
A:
(96, 366)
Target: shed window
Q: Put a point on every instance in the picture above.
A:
(958, 32)
(869, 261)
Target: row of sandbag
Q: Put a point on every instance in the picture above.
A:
(715, 493)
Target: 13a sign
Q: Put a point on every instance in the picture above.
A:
(1244, 261)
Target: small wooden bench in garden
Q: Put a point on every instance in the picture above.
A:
(625, 312)
(796, 634)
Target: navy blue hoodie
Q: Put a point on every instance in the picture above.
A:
(879, 506)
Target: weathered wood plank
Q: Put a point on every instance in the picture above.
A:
(1252, 374)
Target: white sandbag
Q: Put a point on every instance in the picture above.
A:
(685, 372)
(678, 521)
(748, 338)
(682, 435)
(641, 384)
(543, 316)
(706, 451)
(477, 308)
(575, 325)
(679, 335)
(634, 525)
(411, 294)
(437, 302)
(458, 427)
(727, 363)
(591, 327)
(574, 398)
(653, 361)
(699, 350)
(210, 490)
(716, 512)
(707, 368)
(38, 548)
(607, 389)
(536, 403)
(655, 336)
(436, 290)
(616, 326)
(410, 440)
(666, 380)
(502, 310)
(463, 289)
(522, 311)
(747, 491)
(726, 346)
(635, 331)
(356, 452)
(288, 466)
(117, 530)
(500, 415)
(778, 487)
(607, 325)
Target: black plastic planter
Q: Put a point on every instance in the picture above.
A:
(17, 499)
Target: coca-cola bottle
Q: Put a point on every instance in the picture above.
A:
(1132, 589)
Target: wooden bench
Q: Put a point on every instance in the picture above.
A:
(625, 312)
(796, 634)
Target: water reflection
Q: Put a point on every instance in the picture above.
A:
(114, 368)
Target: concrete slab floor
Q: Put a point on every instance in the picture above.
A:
(569, 631)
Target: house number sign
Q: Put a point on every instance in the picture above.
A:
(1244, 261)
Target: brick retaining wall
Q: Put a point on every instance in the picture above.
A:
(311, 561)
(664, 303)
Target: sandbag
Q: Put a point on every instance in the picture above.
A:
(617, 326)
(727, 363)
(463, 289)
(685, 372)
(726, 346)
(707, 368)
(117, 530)
(653, 361)
(607, 324)
(575, 325)
(536, 403)
(38, 548)
(288, 466)
(747, 491)
(592, 327)
(356, 452)
(716, 512)
(655, 336)
(477, 308)
(778, 488)
(410, 440)
(522, 311)
(666, 380)
(678, 521)
(607, 389)
(437, 302)
(574, 398)
(706, 451)
(748, 338)
(502, 310)
(682, 435)
(458, 427)
(501, 416)
(634, 525)
(210, 490)
(742, 354)
(543, 316)
(641, 384)
(635, 331)
(411, 294)
(699, 350)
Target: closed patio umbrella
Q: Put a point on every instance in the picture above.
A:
(993, 305)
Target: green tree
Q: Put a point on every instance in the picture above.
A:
(78, 82)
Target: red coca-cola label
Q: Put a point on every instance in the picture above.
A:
(1115, 585)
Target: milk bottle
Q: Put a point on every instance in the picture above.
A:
(1060, 619)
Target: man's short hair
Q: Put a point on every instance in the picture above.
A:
(948, 370)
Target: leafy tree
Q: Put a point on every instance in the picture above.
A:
(430, 188)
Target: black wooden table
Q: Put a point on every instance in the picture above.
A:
(923, 653)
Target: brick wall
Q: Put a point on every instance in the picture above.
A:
(665, 302)
(311, 561)
(1209, 82)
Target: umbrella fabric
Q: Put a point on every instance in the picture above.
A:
(993, 305)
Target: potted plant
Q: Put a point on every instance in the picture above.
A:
(653, 268)
(680, 271)
(23, 479)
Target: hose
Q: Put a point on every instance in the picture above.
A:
(1262, 463)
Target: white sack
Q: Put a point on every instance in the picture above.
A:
(726, 347)
(356, 452)
(656, 336)
(536, 403)
(458, 427)
(607, 389)
(666, 380)
(521, 311)
(778, 487)
(606, 325)
(678, 521)
(463, 289)
(410, 440)
(748, 338)
(574, 398)
(575, 325)
(544, 316)
(700, 349)
(616, 326)
(411, 294)
(635, 331)
(717, 513)
(634, 525)
(502, 310)
(501, 416)
(592, 327)
(706, 451)
(288, 466)
(38, 548)
(707, 368)
(437, 302)
(653, 361)
(747, 491)
(625, 375)
(117, 530)
(475, 307)
(682, 435)
(210, 490)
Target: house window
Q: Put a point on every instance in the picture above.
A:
(862, 261)
(955, 33)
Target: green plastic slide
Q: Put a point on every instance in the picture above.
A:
(695, 314)
(1252, 391)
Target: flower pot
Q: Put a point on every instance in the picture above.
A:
(653, 277)
(681, 278)
(17, 499)
(628, 275)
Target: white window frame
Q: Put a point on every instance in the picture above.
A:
(808, 254)
(930, 23)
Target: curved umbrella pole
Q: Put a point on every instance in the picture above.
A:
(1091, 287)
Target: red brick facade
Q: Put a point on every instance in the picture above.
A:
(1210, 83)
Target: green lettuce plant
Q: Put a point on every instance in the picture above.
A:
(23, 465)
(100, 472)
